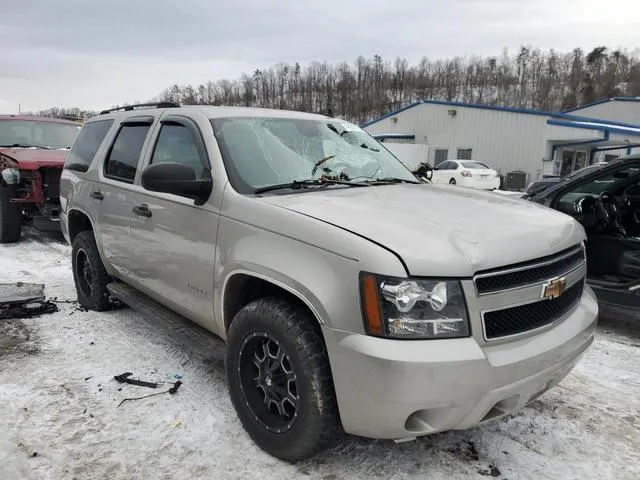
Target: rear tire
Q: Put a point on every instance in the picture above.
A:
(452, 181)
(89, 275)
(10, 217)
(280, 381)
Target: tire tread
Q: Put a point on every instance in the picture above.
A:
(100, 300)
(297, 323)
(10, 217)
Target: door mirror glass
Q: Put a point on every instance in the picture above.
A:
(177, 179)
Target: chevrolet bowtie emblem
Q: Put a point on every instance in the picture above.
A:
(554, 288)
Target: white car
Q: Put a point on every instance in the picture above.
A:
(467, 173)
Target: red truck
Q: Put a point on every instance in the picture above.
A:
(32, 153)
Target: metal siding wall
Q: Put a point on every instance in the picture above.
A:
(507, 141)
(614, 111)
(599, 156)
(560, 134)
(409, 154)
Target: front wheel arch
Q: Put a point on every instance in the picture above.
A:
(241, 288)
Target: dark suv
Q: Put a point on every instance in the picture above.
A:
(606, 201)
(539, 185)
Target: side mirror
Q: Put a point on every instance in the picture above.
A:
(424, 170)
(178, 179)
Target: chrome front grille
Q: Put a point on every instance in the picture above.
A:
(530, 316)
(523, 274)
(518, 299)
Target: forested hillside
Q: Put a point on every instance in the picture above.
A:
(370, 87)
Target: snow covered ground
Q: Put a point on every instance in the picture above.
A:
(59, 417)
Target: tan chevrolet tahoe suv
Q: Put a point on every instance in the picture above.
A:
(350, 296)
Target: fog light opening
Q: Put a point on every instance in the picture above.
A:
(503, 407)
(428, 421)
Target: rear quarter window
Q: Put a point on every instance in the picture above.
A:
(86, 145)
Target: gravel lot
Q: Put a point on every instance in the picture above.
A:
(59, 417)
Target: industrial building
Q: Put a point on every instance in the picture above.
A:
(538, 144)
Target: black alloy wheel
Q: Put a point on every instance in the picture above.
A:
(268, 382)
(83, 273)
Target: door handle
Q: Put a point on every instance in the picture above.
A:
(97, 195)
(142, 210)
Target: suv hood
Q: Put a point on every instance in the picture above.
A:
(441, 230)
(34, 158)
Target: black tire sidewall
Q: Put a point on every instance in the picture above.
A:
(10, 216)
(452, 181)
(305, 436)
(99, 298)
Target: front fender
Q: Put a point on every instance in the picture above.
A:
(326, 282)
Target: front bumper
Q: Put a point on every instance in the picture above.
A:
(397, 389)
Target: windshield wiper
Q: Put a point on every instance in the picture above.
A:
(389, 180)
(24, 145)
(299, 184)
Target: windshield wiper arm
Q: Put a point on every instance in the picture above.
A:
(299, 184)
(390, 180)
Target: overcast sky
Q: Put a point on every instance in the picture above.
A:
(94, 54)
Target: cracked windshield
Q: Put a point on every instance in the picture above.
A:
(261, 152)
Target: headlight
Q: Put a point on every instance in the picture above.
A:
(11, 176)
(413, 308)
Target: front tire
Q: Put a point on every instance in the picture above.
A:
(280, 380)
(452, 181)
(90, 277)
(10, 217)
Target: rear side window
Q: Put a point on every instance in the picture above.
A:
(86, 145)
(475, 165)
(122, 161)
(447, 166)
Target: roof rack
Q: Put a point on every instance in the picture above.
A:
(128, 108)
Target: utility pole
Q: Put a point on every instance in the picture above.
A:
(19, 112)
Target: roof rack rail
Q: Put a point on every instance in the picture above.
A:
(327, 113)
(128, 108)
